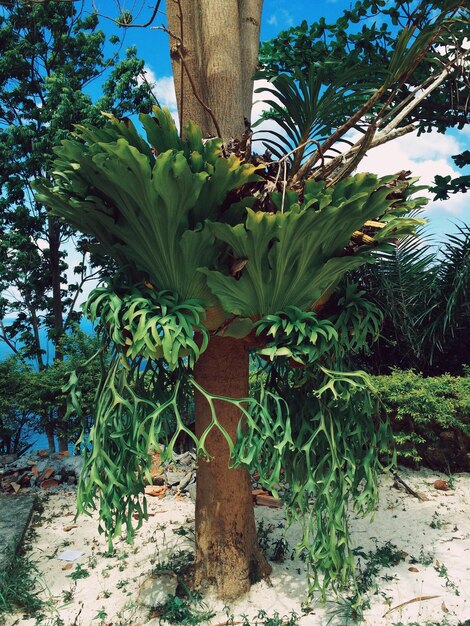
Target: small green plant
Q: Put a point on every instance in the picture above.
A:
(122, 583)
(425, 558)
(443, 572)
(387, 555)
(280, 548)
(450, 479)
(67, 595)
(177, 562)
(264, 532)
(183, 532)
(263, 619)
(436, 522)
(346, 611)
(187, 611)
(79, 572)
(349, 609)
(20, 587)
(101, 615)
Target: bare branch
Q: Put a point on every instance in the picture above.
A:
(9, 343)
(419, 95)
(364, 145)
(117, 21)
(345, 157)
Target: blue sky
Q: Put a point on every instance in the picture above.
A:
(425, 156)
(152, 43)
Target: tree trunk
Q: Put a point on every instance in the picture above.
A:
(228, 556)
(63, 443)
(53, 226)
(37, 341)
(54, 232)
(49, 430)
(214, 52)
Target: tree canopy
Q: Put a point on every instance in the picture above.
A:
(50, 53)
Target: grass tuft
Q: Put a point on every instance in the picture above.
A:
(19, 588)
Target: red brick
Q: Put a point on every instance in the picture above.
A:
(47, 484)
(47, 473)
(258, 492)
(270, 501)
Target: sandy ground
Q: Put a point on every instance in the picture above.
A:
(434, 536)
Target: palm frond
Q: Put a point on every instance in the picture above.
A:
(447, 316)
(306, 109)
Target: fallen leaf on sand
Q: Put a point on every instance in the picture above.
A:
(70, 527)
(155, 490)
(67, 566)
(418, 599)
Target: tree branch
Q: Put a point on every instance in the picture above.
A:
(5, 339)
(149, 22)
(416, 100)
(377, 140)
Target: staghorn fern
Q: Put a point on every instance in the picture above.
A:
(190, 231)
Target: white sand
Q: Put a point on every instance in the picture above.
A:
(438, 529)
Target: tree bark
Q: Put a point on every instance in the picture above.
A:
(49, 430)
(57, 307)
(228, 556)
(214, 51)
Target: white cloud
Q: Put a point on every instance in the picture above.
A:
(429, 146)
(424, 156)
(42, 244)
(259, 106)
(164, 90)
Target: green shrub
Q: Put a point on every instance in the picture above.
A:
(430, 418)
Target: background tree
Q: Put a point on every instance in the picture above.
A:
(361, 43)
(17, 417)
(50, 54)
(446, 185)
(423, 295)
(47, 395)
(28, 395)
(219, 255)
